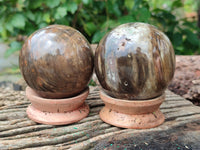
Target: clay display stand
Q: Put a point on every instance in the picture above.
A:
(179, 131)
(132, 114)
(57, 111)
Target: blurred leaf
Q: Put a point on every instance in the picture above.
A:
(177, 4)
(179, 50)
(43, 24)
(164, 14)
(95, 18)
(62, 1)
(4, 33)
(168, 16)
(2, 8)
(52, 3)
(38, 17)
(177, 39)
(129, 4)
(36, 4)
(90, 28)
(72, 7)
(30, 28)
(63, 21)
(18, 21)
(113, 8)
(137, 4)
(14, 46)
(30, 15)
(191, 25)
(60, 12)
(9, 25)
(126, 19)
(109, 25)
(143, 14)
(20, 4)
(97, 36)
(86, 1)
(192, 38)
(46, 17)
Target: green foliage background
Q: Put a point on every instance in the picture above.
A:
(96, 17)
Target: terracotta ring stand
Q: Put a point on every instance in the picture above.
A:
(57, 111)
(140, 114)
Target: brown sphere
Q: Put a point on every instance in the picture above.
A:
(135, 61)
(56, 61)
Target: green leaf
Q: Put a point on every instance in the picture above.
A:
(113, 8)
(129, 4)
(126, 19)
(52, 3)
(36, 4)
(4, 34)
(85, 2)
(43, 24)
(2, 8)
(62, 1)
(60, 12)
(110, 24)
(30, 15)
(14, 46)
(38, 17)
(192, 38)
(97, 36)
(90, 28)
(177, 39)
(179, 50)
(64, 21)
(72, 7)
(8, 24)
(177, 4)
(191, 25)
(143, 14)
(46, 17)
(167, 15)
(16, 20)
(30, 28)
(9, 27)
(20, 4)
(137, 4)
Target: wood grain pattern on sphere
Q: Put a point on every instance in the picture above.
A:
(135, 61)
(56, 61)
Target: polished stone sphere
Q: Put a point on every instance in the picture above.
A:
(135, 61)
(56, 61)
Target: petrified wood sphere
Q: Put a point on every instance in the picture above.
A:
(56, 61)
(135, 61)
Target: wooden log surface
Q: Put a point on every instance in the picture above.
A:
(181, 129)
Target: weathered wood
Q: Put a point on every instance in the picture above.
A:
(18, 132)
